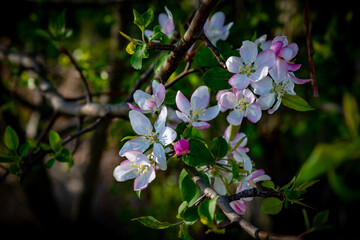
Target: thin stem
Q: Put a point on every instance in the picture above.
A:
(213, 49)
(310, 49)
(73, 61)
(255, 193)
(155, 46)
(141, 81)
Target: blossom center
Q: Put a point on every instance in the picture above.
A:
(242, 104)
(139, 169)
(282, 88)
(196, 112)
(151, 98)
(248, 69)
(151, 136)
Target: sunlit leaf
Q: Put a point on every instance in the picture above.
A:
(11, 138)
(151, 222)
(295, 102)
(271, 205)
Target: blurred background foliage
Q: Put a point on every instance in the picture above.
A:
(325, 142)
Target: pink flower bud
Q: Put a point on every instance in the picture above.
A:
(181, 147)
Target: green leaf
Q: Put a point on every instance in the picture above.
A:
(351, 114)
(14, 168)
(138, 193)
(217, 78)
(235, 170)
(181, 208)
(233, 131)
(292, 194)
(189, 191)
(198, 155)
(183, 234)
(127, 138)
(205, 58)
(271, 205)
(170, 96)
(321, 218)
(45, 147)
(295, 102)
(306, 185)
(137, 57)
(139, 20)
(191, 215)
(148, 17)
(325, 157)
(268, 184)
(55, 141)
(11, 138)
(206, 211)
(151, 222)
(7, 156)
(221, 147)
(306, 219)
(50, 163)
(24, 148)
(64, 155)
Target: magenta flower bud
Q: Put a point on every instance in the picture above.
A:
(181, 147)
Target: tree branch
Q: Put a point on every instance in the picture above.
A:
(223, 203)
(255, 193)
(213, 49)
(191, 35)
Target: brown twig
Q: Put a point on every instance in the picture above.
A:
(146, 75)
(310, 49)
(73, 61)
(155, 46)
(213, 49)
(186, 71)
(255, 193)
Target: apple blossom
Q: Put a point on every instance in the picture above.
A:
(251, 66)
(238, 150)
(243, 104)
(136, 166)
(166, 23)
(196, 111)
(149, 103)
(181, 147)
(214, 28)
(161, 137)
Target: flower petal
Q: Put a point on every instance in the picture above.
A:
(140, 94)
(292, 67)
(254, 113)
(239, 81)
(248, 52)
(142, 181)
(235, 117)
(159, 92)
(124, 171)
(200, 125)
(138, 143)
(266, 101)
(227, 100)
(210, 113)
(168, 136)
(239, 206)
(160, 122)
(217, 20)
(298, 80)
(263, 86)
(265, 58)
(159, 156)
(182, 103)
(200, 98)
(233, 64)
(139, 122)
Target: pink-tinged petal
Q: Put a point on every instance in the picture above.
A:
(279, 71)
(168, 13)
(295, 49)
(276, 47)
(228, 100)
(219, 186)
(266, 101)
(286, 53)
(200, 125)
(210, 113)
(255, 174)
(124, 171)
(220, 93)
(163, 19)
(139, 122)
(248, 95)
(132, 107)
(239, 206)
(169, 28)
(261, 39)
(259, 74)
(141, 182)
(159, 92)
(160, 122)
(182, 116)
(233, 64)
(138, 143)
(182, 103)
(182, 147)
(140, 94)
(168, 136)
(235, 117)
(217, 20)
(148, 33)
(262, 178)
(265, 58)
(132, 155)
(239, 81)
(254, 113)
(276, 106)
(159, 156)
(200, 98)
(292, 67)
(263, 86)
(238, 137)
(298, 80)
(227, 133)
(248, 52)
(281, 39)
(226, 31)
(146, 105)
(265, 45)
(248, 164)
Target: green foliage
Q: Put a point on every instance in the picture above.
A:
(271, 205)
(295, 102)
(217, 78)
(220, 148)
(198, 155)
(143, 20)
(137, 57)
(151, 222)
(159, 35)
(189, 191)
(268, 184)
(11, 139)
(206, 211)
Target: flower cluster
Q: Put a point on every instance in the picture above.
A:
(259, 81)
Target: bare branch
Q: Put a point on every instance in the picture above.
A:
(255, 193)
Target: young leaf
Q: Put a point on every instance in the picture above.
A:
(199, 154)
(217, 78)
(11, 138)
(148, 17)
(50, 163)
(139, 20)
(189, 191)
(271, 205)
(321, 218)
(161, 60)
(268, 184)
(206, 211)
(151, 222)
(131, 48)
(55, 141)
(221, 147)
(24, 148)
(306, 219)
(295, 102)
(235, 170)
(191, 215)
(137, 57)
(181, 208)
(205, 58)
